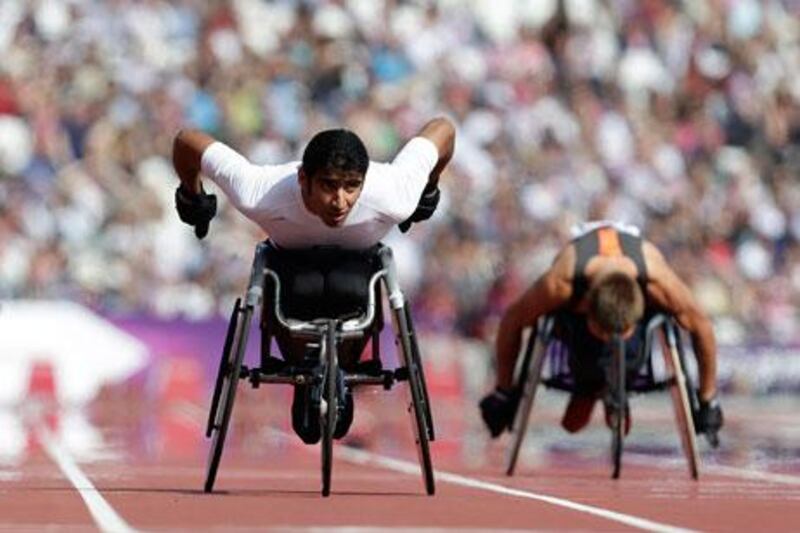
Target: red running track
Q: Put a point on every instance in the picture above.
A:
(269, 480)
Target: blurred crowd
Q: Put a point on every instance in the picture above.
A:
(682, 117)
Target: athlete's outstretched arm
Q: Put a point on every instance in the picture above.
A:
(551, 291)
(441, 132)
(667, 290)
(187, 152)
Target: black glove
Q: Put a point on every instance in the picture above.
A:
(196, 209)
(709, 420)
(425, 208)
(498, 410)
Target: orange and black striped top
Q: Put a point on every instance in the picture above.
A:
(605, 241)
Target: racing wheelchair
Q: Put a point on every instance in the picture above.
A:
(323, 337)
(546, 362)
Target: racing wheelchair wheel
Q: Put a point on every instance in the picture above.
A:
(617, 399)
(417, 359)
(529, 376)
(223, 367)
(681, 399)
(225, 388)
(329, 403)
(417, 407)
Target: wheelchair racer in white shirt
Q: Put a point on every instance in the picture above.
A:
(335, 196)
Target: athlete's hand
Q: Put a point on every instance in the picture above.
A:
(709, 420)
(498, 409)
(195, 209)
(425, 208)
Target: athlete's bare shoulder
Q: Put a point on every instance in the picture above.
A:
(563, 266)
(653, 259)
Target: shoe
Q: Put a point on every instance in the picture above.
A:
(498, 410)
(578, 412)
(345, 418)
(609, 410)
(305, 415)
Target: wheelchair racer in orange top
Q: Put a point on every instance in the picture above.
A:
(603, 281)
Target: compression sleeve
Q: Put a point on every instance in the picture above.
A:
(244, 183)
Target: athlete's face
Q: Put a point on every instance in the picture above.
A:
(331, 196)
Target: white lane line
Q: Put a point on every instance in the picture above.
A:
(393, 529)
(722, 470)
(753, 475)
(10, 475)
(105, 517)
(362, 457)
(357, 456)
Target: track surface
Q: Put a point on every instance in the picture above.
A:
(143, 470)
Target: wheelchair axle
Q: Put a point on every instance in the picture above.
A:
(303, 376)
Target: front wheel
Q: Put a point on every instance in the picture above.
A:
(682, 402)
(417, 406)
(227, 396)
(530, 376)
(618, 405)
(420, 425)
(329, 404)
(416, 358)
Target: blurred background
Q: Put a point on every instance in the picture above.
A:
(682, 117)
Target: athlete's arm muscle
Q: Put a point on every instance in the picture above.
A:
(187, 152)
(441, 132)
(550, 292)
(666, 290)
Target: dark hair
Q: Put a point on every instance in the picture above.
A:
(336, 150)
(616, 302)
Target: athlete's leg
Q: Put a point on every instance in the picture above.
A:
(302, 288)
(586, 367)
(347, 294)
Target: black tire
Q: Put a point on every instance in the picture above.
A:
(328, 416)
(618, 402)
(416, 409)
(682, 402)
(421, 430)
(223, 366)
(417, 359)
(529, 377)
(227, 397)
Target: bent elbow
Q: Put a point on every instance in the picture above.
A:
(180, 140)
(445, 124)
(441, 132)
(448, 132)
(699, 324)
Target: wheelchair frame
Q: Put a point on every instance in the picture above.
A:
(684, 397)
(325, 333)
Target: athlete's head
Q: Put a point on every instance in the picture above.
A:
(332, 174)
(616, 304)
